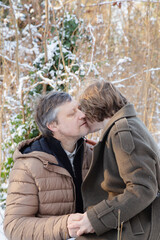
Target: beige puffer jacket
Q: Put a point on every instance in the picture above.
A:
(40, 196)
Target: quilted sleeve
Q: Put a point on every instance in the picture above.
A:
(20, 220)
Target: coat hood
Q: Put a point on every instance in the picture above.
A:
(41, 155)
(28, 149)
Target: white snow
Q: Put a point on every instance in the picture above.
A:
(2, 236)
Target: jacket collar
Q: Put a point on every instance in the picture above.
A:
(61, 156)
(125, 112)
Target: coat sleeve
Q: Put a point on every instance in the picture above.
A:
(20, 220)
(136, 164)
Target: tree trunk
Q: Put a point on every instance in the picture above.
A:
(45, 39)
(148, 65)
(17, 43)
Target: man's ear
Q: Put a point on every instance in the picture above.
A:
(52, 126)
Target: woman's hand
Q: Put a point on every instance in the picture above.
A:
(80, 224)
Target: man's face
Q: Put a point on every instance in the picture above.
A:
(71, 122)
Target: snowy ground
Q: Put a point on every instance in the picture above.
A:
(2, 237)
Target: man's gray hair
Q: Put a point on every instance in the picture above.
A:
(47, 108)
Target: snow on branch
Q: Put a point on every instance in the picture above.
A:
(157, 133)
(124, 79)
(120, 1)
(152, 69)
(71, 74)
(134, 75)
(93, 46)
(4, 6)
(21, 81)
(58, 7)
(44, 81)
(20, 64)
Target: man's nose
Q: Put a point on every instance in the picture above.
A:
(81, 114)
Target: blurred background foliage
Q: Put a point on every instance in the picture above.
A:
(66, 45)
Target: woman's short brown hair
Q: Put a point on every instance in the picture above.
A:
(101, 100)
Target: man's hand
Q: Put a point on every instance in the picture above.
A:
(83, 225)
(72, 219)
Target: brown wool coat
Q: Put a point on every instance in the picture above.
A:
(40, 196)
(125, 176)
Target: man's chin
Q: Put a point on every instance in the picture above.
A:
(85, 133)
(85, 127)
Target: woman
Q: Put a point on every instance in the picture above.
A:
(121, 190)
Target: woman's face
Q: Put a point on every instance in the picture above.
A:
(94, 126)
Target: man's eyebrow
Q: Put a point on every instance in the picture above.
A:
(75, 107)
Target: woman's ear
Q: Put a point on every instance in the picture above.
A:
(52, 126)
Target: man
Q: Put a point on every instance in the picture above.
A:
(45, 182)
(121, 191)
